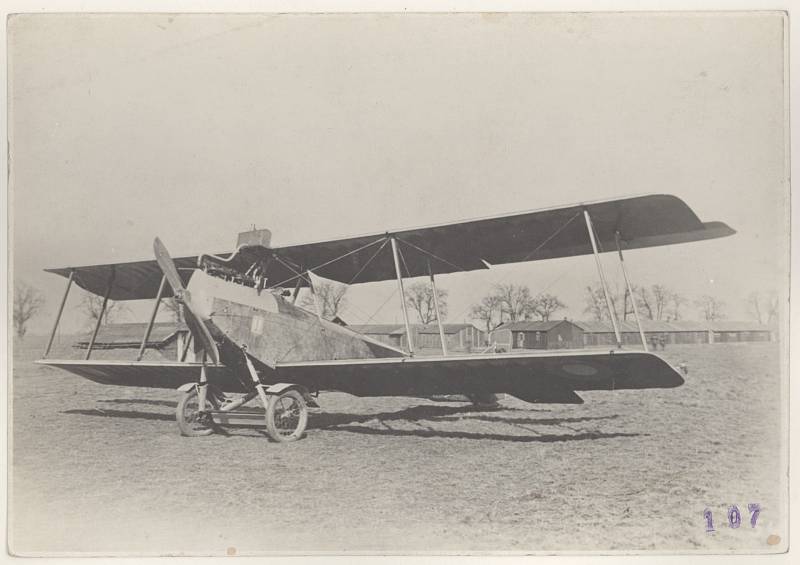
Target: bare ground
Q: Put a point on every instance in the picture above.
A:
(104, 470)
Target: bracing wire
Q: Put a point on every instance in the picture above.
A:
(326, 263)
(555, 233)
(432, 255)
(292, 269)
(498, 280)
(361, 270)
(308, 279)
(385, 302)
(359, 310)
(385, 240)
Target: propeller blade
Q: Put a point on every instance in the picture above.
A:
(168, 267)
(200, 332)
(195, 322)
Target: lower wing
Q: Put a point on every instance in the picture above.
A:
(551, 376)
(146, 374)
(535, 377)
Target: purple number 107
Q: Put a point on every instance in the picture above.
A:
(734, 516)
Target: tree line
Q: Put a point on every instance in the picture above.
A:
(659, 302)
(331, 299)
(503, 303)
(654, 302)
(511, 303)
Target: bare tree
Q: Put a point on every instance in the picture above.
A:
(28, 301)
(510, 302)
(92, 307)
(515, 301)
(489, 311)
(658, 302)
(545, 305)
(763, 307)
(644, 300)
(331, 298)
(627, 303)
(674, 304)
(711, 308)
(661, 296)
(420, 297)
(596, 303)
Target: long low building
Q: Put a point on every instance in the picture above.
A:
(674, 332)
(724, 331)
(680, 331)
(459, 337)
(534, 334)
(558, 334)
(123, 340)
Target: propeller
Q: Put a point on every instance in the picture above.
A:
(193, 320)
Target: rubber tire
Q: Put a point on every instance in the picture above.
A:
(185, 426)
(272, 404)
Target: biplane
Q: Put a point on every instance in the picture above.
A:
(251, 342)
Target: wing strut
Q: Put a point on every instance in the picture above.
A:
(611, 312)
(186, 347)
(438, 314)
(60, 311)
(100, 315)
(402, 296)
(296, 289)
(152, 318)
(630, 291)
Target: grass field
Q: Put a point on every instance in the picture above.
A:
(104, 470)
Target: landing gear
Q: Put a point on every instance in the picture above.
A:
(287, 416)
(286, 413)
(194, 420)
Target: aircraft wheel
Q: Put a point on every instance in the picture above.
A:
(190, 421)
(287, 416)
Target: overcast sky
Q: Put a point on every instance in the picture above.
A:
(194, 128)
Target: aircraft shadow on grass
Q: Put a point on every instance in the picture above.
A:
(347, 422)
(167, 403)
(134, 414)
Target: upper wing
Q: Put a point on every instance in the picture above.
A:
(641, 221)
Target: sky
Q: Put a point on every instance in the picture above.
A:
(196, 127)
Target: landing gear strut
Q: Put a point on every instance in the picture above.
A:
(202, 408)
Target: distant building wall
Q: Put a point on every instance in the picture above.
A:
(559, 334)
(503, 338)
(634, 338)
(741, 336)
(601, 334)
(565, 336)
(464, 338)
